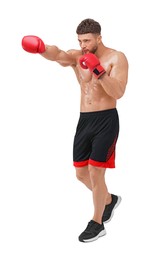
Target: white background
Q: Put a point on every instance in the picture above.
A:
(43, 208)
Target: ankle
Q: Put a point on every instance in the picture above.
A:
(109, 199)
(98, 220)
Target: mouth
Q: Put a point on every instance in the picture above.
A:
(85, 51)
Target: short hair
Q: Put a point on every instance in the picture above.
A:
(88, 26)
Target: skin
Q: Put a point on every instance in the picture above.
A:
(96, 94)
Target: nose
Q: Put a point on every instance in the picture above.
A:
(83, 45)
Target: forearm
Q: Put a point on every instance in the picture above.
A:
(113, 87)
(113, 81)
(51, 52)
(34, 44)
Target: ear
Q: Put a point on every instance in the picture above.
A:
(99, 39)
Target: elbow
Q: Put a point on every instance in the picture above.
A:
(120, 92)
(119, 95)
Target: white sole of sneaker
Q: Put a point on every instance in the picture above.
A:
(117, 204)
(101, 234)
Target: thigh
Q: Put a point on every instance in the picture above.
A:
(82, 171)
(81, 150)
(103, 148)
(82, 144)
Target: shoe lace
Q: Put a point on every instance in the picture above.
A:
(90, 225)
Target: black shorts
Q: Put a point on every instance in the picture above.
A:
(95, 139)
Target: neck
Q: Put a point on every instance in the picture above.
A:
(100, 50)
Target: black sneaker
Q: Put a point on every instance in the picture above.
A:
(92, 232)
(109, 209)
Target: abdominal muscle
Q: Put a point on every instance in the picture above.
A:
(93, 95)
(94, 98)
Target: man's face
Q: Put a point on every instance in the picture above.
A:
(88, 42)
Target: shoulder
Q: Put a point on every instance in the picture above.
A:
(119, 56)
(116, 57)
(75, 54)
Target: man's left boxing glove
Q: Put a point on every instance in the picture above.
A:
(33, 44)
(91, 62)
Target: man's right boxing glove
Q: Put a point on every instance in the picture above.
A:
(33, 44)
(91, 62)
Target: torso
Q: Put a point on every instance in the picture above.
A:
(93, 96)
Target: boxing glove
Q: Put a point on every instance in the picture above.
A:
(91, 62)
(33, 44)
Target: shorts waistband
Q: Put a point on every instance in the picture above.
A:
(98, 113)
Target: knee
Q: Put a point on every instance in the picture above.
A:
(93, 170)
(95, 173)
(80, 174)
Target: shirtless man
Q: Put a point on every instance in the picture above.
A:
(102, 74)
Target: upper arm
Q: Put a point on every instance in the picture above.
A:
(53, 53)
(66, 58)
(119, 69)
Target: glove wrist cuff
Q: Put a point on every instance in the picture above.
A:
(98, 71)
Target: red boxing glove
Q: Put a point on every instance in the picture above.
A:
(33, 44)
(91, 62)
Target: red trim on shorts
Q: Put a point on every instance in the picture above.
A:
(108, 164)
(81, 164)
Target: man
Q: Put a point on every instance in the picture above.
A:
(102, 74)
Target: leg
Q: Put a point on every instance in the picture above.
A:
(99, 190)
(83, 175)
